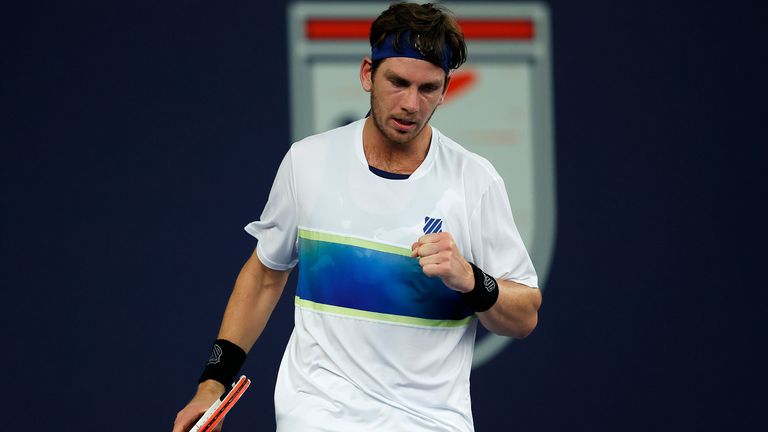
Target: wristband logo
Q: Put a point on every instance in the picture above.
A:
(215, 357)
(489, 282)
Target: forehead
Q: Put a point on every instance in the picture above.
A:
(415, 70)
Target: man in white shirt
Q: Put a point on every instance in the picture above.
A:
(404, 241)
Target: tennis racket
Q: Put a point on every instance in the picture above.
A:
(215, 414)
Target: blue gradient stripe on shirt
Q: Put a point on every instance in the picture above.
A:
(358, 277)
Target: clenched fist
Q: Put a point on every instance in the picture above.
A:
(439, 256)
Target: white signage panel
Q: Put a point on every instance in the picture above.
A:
(498, 104)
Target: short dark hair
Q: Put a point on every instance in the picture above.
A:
(432, 28)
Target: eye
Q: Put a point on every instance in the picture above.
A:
(429, 88)
(398, 82)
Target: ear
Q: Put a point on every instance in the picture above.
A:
(445, 90)
(366, 80)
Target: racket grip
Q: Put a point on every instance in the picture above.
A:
(206, 416)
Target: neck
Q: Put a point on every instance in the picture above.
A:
(394, 157)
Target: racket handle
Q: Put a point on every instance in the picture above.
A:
(206, 416)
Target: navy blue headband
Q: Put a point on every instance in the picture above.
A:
(386, 49)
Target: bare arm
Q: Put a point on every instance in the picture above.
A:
(515, 313)
(256, 292)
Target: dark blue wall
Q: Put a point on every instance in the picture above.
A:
(138, 139)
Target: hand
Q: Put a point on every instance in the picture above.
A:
(439, 256)
(207, 393)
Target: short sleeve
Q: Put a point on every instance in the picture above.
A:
(497, 247)
(277, 228)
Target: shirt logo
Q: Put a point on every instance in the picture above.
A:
(432, 225)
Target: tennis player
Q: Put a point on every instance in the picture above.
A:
(404, 240)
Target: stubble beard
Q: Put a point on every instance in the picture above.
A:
(398, 139)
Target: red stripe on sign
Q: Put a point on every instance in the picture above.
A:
(518, 29)
(337, 29)
(497, 29)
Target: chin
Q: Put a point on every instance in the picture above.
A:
(405, 137)
(402, 139)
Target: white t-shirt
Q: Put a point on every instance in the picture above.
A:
(377, 345)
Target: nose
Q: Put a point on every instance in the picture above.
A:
(410, 102)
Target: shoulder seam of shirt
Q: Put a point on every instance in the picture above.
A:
(293, 184)
(475, 158)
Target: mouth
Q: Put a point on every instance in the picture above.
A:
(404, 124)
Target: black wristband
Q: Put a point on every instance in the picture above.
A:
(225, 362)
(485, 293)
